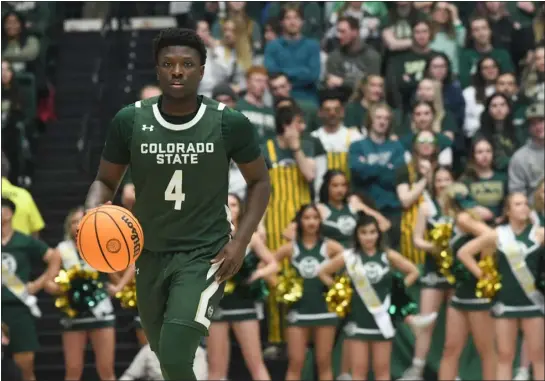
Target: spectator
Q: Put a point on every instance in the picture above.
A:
(522, 11)
(225, 61)
(370, 15)
(484, 85)
(271, 31)
(533, 33)
(487, 186)
(533, 77)
(497, 126)
(413, 181)
(430, 90)
(438, 67)
(310, 11)
(353, 60)
(224, 93)
(280, 86)
(149, 91)
(507, 84)
(252, 105)
(407, 69)
(296, 56)
(397, 32)
(248, 31)
(481, 46)
(334, 136)
(27, 218)
(20, 309)
(526, 167)
(145, 366)
(12, 122)
(18, 47)
(448, 32)
(423, 118)
(373, 162)
(502, 27)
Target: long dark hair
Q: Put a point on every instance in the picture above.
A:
(23, 36)
(488, 124)
(434, 175)
(364, 220)
(478, 81)
(471, 168)
(448, 79)
(240, 206)
(324, 189)
(299, 218)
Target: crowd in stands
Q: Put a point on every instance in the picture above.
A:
(389, 94)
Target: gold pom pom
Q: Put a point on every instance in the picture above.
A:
(229, 287)
(490, 283)
(440, 236)
(127, 296)
(65, 280)
(289, 288)
(339, 296)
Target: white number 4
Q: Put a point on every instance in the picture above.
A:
(174, 190)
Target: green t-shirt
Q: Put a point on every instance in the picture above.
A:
(470, 57)
(355, 115)
(489, 192)
(447, 124)
(261, 117)
(180, 170)
(19, 255)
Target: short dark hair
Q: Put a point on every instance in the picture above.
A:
(6, 202)
(179, 37)
(284, 116)
(331, 95)
(288, 8)
(274, 76)
(352, 22)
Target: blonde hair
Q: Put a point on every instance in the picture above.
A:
(358, 93)
(68, 222)
(507, 204)
(371, 115)
(243, 32)
(438, 104)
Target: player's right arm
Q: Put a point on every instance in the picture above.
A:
(114, 161)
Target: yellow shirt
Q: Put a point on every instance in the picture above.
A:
(27, 218)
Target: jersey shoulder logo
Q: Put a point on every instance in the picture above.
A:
(147, 128)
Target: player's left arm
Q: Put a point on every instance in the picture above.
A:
(52, 258)
(243, 148)
(267, 258)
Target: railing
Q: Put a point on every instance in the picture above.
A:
(84, 143)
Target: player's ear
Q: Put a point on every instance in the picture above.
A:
(202, 70)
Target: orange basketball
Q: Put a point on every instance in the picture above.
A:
(110, 238)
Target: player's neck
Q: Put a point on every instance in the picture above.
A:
(7, 233)
(377, 137)
(179, 107)
(518, 226)
(309, 240)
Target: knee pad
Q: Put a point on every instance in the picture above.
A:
(177, 346)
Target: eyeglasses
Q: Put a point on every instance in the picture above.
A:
(425, 140)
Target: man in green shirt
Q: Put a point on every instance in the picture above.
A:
(481, 34)
(179, 146)
(252, 105)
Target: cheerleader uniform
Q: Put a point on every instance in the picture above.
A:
(431, 277)
(311, 309)
(464, 297)
(102, 315)
(518, 264)
(339, 225)
(241, 305)
(368, 319)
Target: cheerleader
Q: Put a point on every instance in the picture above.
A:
(309, 316)
(523, 373)
(369, 326)
(435, 287)
(519, 246)
(466, 313)
(96, 325)
(239, 310)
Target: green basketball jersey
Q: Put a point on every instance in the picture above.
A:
(180, 170)
(18, 257)
(339, 225)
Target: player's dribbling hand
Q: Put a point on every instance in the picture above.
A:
(230, 259)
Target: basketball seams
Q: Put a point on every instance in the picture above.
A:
(124, 240)
(98, 240)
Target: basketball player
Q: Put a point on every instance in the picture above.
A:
(178, 146)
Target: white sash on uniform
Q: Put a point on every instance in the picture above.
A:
(515, 253)
(18, 288)
(368, 295)
(70, 258)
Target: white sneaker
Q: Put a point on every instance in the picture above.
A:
(422, 321)
(412, 374)
(522, 374)
(344, 377)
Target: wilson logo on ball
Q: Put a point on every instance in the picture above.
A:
(134, 236)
